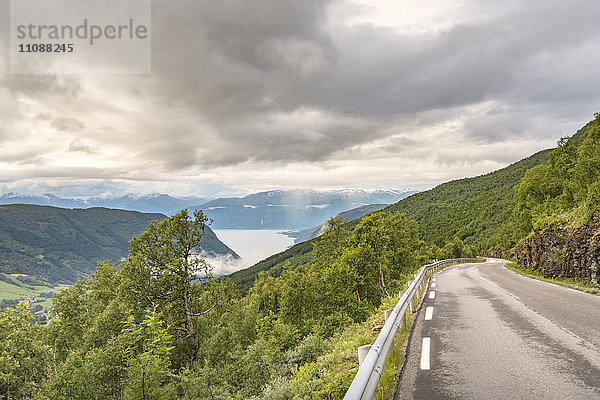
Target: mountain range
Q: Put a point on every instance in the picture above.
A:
(150, 203)
(292, 209)
(276, 209)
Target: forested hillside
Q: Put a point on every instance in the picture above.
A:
(61, 245)
(566, 189)
(300, 254)
(350, 215)
(558, 205)
(472, 209)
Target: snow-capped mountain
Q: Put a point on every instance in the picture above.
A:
(275, 209)
(316, 197)
(292, 209)
(151, 203)
(156, 202)
(46, 199)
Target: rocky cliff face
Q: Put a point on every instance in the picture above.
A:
(566, 252)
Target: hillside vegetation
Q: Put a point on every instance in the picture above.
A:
(558, 206)
(472, 209)
(149, 328)
(300, 254)
(60, 245)
(350, 215)
(566, 189)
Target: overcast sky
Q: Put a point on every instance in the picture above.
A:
(249, 95)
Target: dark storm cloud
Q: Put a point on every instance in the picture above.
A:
(383, 74)
(238, 63)
(243, 63)
(234, 57)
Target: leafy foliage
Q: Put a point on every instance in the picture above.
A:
(567, 188)
(23, 356)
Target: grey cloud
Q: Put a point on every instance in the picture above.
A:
(78, 146)
(306, 137)
(62, 173)
(464, 65)
(236, 58)
(247, 61)
(241, 60)
(67, 124)
(403, 143)
(169, 156)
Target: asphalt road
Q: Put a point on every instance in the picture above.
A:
(493, 334)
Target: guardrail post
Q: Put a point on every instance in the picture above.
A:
(412, 304)
(362, 353)
(403, 320)
(386, 314)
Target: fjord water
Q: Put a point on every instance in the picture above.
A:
(250, 244)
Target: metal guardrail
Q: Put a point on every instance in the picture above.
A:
(365, 382)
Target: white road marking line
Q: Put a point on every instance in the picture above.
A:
(433, 285)
(428, 313)
(432, 294)
(425, 365)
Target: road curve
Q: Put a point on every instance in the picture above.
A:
(489, 333)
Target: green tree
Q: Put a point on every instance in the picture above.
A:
(71, 318)
(97, 374)
(148, 351)
(360, 276)
(389, 242)
(331, 243)
(163, 267)
(24, 359)
(564, 189)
